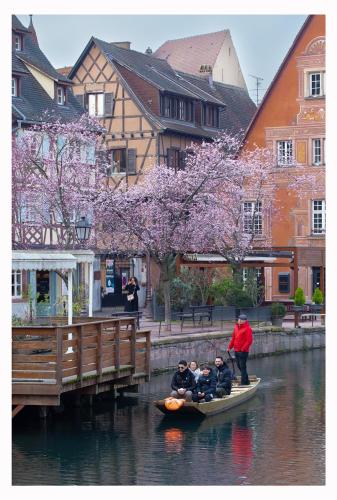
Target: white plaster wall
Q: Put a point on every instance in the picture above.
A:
(227, 67)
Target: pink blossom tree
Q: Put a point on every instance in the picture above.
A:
(197, 209)
(56, 177)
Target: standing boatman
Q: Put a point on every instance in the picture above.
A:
(242, 339)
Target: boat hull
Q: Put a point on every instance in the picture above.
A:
(239, 395)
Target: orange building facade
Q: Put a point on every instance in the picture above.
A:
(291, 123)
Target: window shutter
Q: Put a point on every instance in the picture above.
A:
(80, 99)
(170, 157)
(132, 153)
(182, 159)
(108, 104)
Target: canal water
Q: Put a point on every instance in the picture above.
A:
(276, 438)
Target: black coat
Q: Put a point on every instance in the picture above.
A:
(223, 375)
(132, 305)
(207, 385)
(183, 380)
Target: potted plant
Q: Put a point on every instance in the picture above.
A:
(299, 299)
(278, 311)
(317, 299)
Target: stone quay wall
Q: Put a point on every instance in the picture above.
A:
(203, 347)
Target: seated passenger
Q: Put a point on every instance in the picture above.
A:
(194, 367)
(183, 382)
(223, 375)
(206, 386)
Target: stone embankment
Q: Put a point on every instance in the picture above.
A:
(167, 351)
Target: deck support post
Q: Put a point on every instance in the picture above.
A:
(43, 411)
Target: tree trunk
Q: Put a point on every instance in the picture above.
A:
(164, 269)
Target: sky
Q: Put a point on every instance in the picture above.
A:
(261, 41)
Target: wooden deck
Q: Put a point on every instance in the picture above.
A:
(92, 356)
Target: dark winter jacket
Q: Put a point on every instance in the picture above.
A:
(183, 380)
(207, 385)
(223, 375)
(242, 338)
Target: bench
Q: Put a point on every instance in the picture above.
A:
(131, 314)
(196, 313)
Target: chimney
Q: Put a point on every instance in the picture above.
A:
(148, 51)
(210, 80)
(122, 45)
(32, 30)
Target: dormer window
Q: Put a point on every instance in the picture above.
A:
(14, 87)
(18, 42)
(60, 95)
(211, 115)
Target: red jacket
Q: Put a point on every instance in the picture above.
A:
(242, 338)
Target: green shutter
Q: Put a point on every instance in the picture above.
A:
(108, 104)
(132, 155)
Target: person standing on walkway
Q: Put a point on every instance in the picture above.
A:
(242, 339)
(134, 303)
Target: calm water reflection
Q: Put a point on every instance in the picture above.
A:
(277, 438)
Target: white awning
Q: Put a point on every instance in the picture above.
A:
(42, 260)
(83, 255)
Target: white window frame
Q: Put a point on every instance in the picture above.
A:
(285, 152)
(318, 217)
(96, 104)
(14, 87)
(16, 284)
(252, 217)
(60, 96)
(318, 144)
(18, 42)
(321, 92)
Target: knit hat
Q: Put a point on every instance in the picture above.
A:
(243, 317)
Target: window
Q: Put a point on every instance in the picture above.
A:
(17, 284)
(18, 42)
(96, 104)
(118, 161)
(284, 153)
(177, 108)
(316, 84)
(318, 152)
(60, 95)
(211, 115)
(14, 87)
(284, 282)
(122, 161)
(318, 216)
(252, 217)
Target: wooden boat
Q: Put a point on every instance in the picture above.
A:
(239, 394)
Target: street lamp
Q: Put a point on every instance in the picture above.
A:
(82, 228)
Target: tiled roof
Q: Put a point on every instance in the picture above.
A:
(17, 25)
(65, 70)
(188, 54)
(33, 101)
(159, 73)
(239, 108)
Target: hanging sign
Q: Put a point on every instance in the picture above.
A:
(110, 276)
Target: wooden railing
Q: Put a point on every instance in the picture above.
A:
(73, 356)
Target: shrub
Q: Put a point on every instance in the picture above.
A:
(299, 299)
(278, 310)
(317, 297)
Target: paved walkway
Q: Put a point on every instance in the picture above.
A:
(158, 328)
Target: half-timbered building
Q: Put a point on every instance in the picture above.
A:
(151, 114)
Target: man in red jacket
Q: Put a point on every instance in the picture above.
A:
(242, 339)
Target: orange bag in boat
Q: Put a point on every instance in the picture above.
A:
(173, 403)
